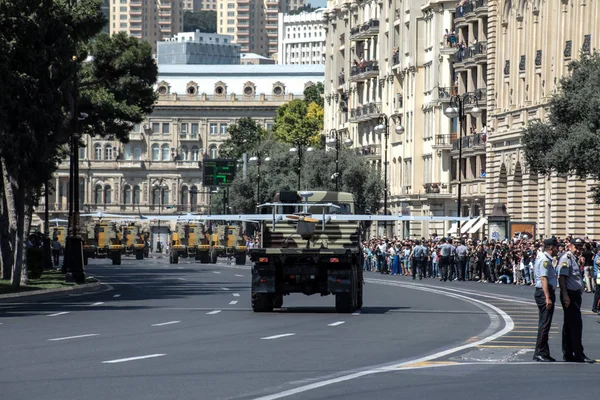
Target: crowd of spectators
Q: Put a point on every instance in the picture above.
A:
(485, 261)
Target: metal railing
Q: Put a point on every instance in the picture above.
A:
(365, 112)
(368, 68)
(467, 53)
(443, 140)
(471, 141)
(371, 26)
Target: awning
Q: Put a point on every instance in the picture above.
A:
(453, 229)
(478, 225)
(467, 225)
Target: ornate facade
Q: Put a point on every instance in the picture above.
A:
(533, 42)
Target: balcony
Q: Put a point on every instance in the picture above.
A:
(436, 189)
(135, 11)
(372, 151)
(366, 30)
(341, 79)
(481, 7)
(467, 8)
(370, 69)
(366, 112)
(445, 93)
(471, 142)
(399, 101)
(443, 142)
(135, 28)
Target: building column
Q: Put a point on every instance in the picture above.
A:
(592, 214)
(530, 197)
(558, 209)
(576, 206)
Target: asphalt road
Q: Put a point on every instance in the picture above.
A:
(186, 331)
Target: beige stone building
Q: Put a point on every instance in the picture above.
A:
(149, 20)
(253, 23)
(199, 5)
(393, 58)
(160, 170)
(532, 43)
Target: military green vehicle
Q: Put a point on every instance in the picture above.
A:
(301, 254)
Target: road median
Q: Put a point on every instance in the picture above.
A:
(43, 294)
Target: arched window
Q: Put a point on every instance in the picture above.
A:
(193, 197)
(108, 152)
(98, 195)
(165, 152)
(127, 194)
(107, 195)
(136, 194)
(213, 151)
(155, 152)
(137, 153)
(97, 152)
(155, 196)
(194, 153)
(184, 197)
(184, 153)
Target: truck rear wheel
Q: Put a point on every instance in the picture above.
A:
(139, 255)
(85, 259)
(262, 302)
(347, 302)
(213, 256)
(204, 258)
(278, 302)
(240, 259)
(359, 287)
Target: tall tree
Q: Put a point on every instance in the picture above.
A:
(294, 122)
(243, 137)
(314, 94)
(204, 21)
(568, 142)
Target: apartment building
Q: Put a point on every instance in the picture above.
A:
(199, 5)
(160, 170)
(150, 20)
(301, 38)
(533, 43)
(198, 48)
(253, 23)
(389, 63)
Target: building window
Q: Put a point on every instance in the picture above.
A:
(127, 195)
(184, 153)
(223, 129)
(108, 152)
(107, 195)
(214, 128)
(155, 196)
(98, 195)
(165, 129)
(82, 153)
(165, 152)
(137, 154)
(136, 194)
(97, 152)
(155, 152)
(193, 197)
(184, 196)
(195, 151)
(194, 130)
(184, 130)
(213, 151)
(155, 127)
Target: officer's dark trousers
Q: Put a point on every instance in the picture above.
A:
(451, 268)
(444, 265)
(462, 265)
(55, 256)
(417, 264)
(572, 327)
(596, 305)
(545, 321)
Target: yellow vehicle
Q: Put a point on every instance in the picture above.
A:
(228, 241)
(134, 240)
(102, 240)
(60, 233)
(177, 246)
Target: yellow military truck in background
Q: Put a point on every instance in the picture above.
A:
(134, 240)
(178, 243)
(60, 233)
(102, 240)
(228, 241)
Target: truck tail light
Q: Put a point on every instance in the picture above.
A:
(263, 259)
(292, 276)
(334, 260)
(338, 280)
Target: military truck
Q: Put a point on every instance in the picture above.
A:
(228, 241)
(102, 240)
(134, 239)
(300, 254)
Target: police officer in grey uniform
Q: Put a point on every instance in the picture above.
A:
(419, 256)
(461, 254)
(445, 250)
(545, 283)
(571, 288)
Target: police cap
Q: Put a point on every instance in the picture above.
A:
(551, 242)
(577, 241)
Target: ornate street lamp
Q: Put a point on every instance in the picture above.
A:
(383, 127)
(457, 110)
(334, 139)
(299, 148)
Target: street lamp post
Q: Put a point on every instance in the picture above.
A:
(335, 140)
(298, 148)
(258, 159)
(383, 127)
(159, 184)
(457, 109)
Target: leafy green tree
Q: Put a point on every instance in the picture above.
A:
(205, 21)
(314, 94)
(568, 142)
(305, 8)
(294, 123)
(244, 136)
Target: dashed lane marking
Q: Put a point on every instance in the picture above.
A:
(98, 303)
(233, 302)
(337, 323)
(166, 323)
(214, 312)
(116, 296)
(240, 276)
(277, 336)
(216, 272)
(236, 295)
(72, 337)
(225, 288)
(58, 313)
(182, 279)
(120, 360)
(356, 313)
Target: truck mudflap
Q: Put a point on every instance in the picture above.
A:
(263, 280)
(339, 280)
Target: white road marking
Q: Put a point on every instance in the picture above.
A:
(98, 304)
(233, 302)
(216, 272)
(180, 267)
(489, 308)
(337, 323)
(182, 279)
(120, 360)
(116, 295)
(224, 288)
(238, 275)
(58, 313)
(72, 337)
(356, 313)
(166, 323)
(277, 336)
(214, 312)
(236, 295)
